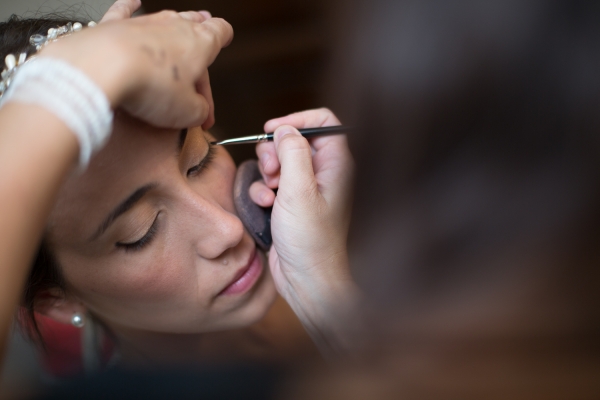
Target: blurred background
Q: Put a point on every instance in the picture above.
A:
(275, 66)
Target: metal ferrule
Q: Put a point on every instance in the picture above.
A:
(241, 140)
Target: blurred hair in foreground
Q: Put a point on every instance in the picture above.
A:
(476, 227)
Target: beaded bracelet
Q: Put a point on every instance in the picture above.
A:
(62, 89)
(38, 41)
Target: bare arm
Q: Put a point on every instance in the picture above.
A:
(32, 163)
(37, 150)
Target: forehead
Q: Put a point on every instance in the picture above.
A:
(134, 155)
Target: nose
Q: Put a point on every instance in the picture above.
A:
(215, 229)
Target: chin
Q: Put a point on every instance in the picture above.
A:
(258, 305)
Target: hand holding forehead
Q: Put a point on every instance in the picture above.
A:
(124, 9)
(189, 47)
(153, 66)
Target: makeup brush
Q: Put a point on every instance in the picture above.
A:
(268, 137)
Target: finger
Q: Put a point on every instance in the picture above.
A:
(297, 184)
(268, 158)
(192, 110)
(310, 119)
(194, 16)
(213, 34)
(261, 194)
(321, 142)
(305, 119)
(203, 88)
(121, 9)
(333, 165)
(272, 181)
(164, 15)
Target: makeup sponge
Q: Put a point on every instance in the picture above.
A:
(256, 220)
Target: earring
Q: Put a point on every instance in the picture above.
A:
(77, 320)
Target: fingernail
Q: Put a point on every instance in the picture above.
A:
(283, 130)
(206, 14)
(264, 159)
(264, 196)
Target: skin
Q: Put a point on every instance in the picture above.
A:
(172, 284)
(309, 263)
(29, 185)
(150, 296)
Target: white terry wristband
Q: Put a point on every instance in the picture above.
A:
(71, 95)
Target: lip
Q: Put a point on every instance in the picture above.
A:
(246, 277)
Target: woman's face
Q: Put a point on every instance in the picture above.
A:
(148, 237)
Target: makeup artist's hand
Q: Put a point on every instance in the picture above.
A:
(310, 220)
(154, 66)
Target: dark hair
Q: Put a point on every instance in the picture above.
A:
(477, 211)
(45, 272)
(16, 31)
(479, 137)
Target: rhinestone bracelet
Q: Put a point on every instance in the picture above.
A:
(38, 41)
(62, 89)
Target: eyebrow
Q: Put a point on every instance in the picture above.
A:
(133, 198)
(122, 208)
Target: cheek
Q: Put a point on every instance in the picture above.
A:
(158, 277)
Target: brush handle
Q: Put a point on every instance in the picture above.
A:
(268, 137)
(312, 132)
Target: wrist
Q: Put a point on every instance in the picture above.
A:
(332, 319)
(71, 95)
(326, 303)
(319, 301)
(105, 61)
(318, 278)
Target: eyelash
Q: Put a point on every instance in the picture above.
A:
(144, 241)
(204, 163)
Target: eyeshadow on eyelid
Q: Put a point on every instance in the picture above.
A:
(144, 241)
(136, 225)
(204, 162)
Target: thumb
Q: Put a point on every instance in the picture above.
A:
(297, 179)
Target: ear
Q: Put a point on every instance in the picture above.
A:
(53, 303)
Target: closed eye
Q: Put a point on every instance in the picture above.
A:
(197, 169)
(144, 241)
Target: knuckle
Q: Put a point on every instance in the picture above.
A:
(207, 33)
(118, 7)
(200, 113)
(294, 143)
(169, 14)
(191, 15)
(220, 28)
(267, 147)
(221, 22)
